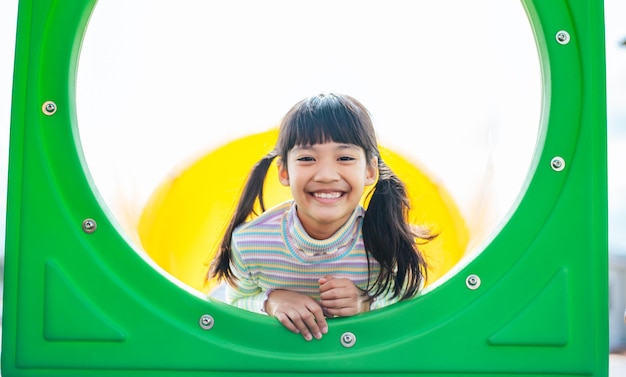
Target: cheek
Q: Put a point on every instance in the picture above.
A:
(294, 178)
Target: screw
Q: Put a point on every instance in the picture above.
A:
(89, 226)
(206, 322)
(472, 282)
(562, 37)
(49, 108)
(557, 163)
(348, 339)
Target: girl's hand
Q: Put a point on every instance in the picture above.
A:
(297, 312)
(340, 297)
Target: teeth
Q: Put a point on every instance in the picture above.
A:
(327, 195)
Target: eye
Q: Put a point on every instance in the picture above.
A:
(305, 159)
(346, 158)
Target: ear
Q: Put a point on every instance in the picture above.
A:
(283, 174)
(371, 172)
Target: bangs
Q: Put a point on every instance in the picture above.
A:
(327, 118)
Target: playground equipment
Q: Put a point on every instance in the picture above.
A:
(80, 301)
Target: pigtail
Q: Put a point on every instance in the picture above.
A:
(390, 238)
(252, 191)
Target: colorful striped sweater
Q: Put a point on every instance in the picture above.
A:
(274, 251)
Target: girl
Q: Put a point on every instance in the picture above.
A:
(322, 254)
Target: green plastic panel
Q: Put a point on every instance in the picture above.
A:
(80, 303)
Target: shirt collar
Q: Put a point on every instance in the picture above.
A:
(341, 239)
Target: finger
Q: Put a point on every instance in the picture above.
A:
(342, 311)
(347, 291)
(332, 285)
(320, 320)
(325, 279)
(341, 307)
(315, 321)
(303, 326)
(333, 293)
(337, 302)
(285, 321)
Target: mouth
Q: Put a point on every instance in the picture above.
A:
(328, 195)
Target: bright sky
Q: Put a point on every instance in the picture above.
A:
(160, 84)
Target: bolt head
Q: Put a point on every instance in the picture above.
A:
(206, 322)
(472, 281)
(49, 108)
(557, 163)
(348, 339)
(563, 37)
(89, 225)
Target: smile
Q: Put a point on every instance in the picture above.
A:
(327, 195)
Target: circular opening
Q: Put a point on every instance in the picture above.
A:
(453, 86)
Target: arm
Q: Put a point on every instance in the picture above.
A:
(245, 293)
(297, 312)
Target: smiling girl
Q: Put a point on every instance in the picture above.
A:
(322, 254)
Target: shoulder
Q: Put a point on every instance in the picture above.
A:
(267, 221)
(262, 235)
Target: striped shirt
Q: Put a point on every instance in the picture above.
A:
(274, 251)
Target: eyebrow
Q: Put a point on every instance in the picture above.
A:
(339, 146)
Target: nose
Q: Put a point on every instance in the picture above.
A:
(326, 172)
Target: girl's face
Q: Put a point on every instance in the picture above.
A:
(327, 182)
